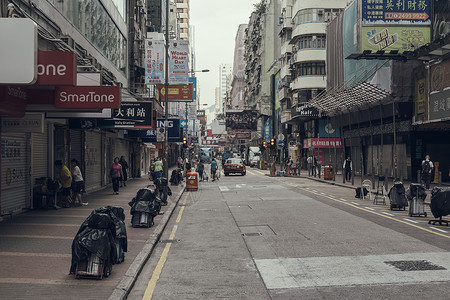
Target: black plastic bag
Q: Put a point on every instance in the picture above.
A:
(440, 201)
(358, 192)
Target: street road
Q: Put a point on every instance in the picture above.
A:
(260, 237)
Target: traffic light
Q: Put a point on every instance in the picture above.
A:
(184, 142)
(272, 143)
(264, 144)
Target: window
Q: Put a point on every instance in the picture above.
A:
(312, 42)
(315, 15)
(311, 69)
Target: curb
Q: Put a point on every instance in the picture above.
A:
(127, 282)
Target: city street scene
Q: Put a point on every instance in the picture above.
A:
(240, 149)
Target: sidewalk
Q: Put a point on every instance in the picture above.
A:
(35, 249)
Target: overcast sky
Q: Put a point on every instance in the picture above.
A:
(215, 23)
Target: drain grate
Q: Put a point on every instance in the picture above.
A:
(414, 265)
(252, 234)
(169, 241)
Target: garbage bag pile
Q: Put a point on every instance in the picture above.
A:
(98, 235)
(163, 189)
(177, 177)
(440, 201)
(397, 195)
(416, 190)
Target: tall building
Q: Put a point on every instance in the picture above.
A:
(224, 77)
(182, 13)
(236, 99)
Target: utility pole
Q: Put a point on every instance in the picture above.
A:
(166, 106)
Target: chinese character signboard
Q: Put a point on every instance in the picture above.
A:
(178, 62)
(178, 93)
(394, 38)
(154, 62)
(130, 115)
(241, 120)
(396, 12)
(322, 143)
(439, 105)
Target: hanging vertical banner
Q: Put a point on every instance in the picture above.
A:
(178, 62)
(154, 62)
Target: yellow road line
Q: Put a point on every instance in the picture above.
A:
(372, 212)
(162, 260)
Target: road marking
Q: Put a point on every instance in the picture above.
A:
(387, 214)
(438, 229)
(223, 188)
(343, 201)
(369, 208)
(412, 221)
(162, 260)
(355, 203)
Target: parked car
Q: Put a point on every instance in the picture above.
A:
(234, 165)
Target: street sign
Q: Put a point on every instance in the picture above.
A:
(281, 137)
(184, 123)
(160, 134)
(281, 144)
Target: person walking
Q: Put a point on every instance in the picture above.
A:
(348, 167)
(65, 178)
(115, 173)
(310, 162)
(124, 164)
(213, 169)
(157, 169)
(78, 181)
(200, 168)
(427, 168)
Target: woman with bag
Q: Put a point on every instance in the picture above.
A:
(116, 174)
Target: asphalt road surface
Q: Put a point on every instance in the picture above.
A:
(260, 237)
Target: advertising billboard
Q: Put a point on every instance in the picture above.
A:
(439, 106)
(178, 62)
(396, 12)
(154, 61)
(388, 38)
(441, 19)
(178, 93)
(241, 120)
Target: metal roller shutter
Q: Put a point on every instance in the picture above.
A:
(122, 148)
(39, 154)
(76, 145)
(93, 173)
(15, 179)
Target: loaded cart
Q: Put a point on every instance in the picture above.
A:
(397, 196)
(144, 207)
(416, 195)
(94, 248)
(440, 205)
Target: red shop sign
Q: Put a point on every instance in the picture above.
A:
(56, 68)
(179, 93)
(87, 97)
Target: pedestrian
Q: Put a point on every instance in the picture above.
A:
(124, 164)
(427, 168)
(180, 162)
(115, 173)
(78, 181)
(200, 168)
(157, 169)
(65, 178)
(289, 163)
(188, 166)
(310, 162)
(316, 166)
(213, 169)
(348, 167)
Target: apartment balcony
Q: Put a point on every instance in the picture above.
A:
(184, 35)
(182, 5)
(184, 25)
(283, 93)
(308, 29)
(285, 116)
(285, 71)
(286, 48)
(309, 82)
(306, 55)
(183, 16)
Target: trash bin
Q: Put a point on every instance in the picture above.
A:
(328, 172)
(192, 181)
